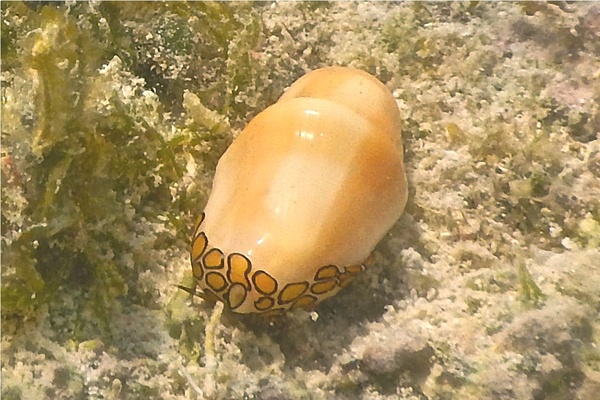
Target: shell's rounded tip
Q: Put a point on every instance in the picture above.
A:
(355, 89)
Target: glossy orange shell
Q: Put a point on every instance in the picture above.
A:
(303, 195)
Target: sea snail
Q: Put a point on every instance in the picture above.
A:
(302, 195)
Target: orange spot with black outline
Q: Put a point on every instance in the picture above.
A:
(239, 267)
(355, 269)
(198, 246)
(213, 259)
(291, 292)
(236, 296)
(305, 302)
(264, 283)
(327, 272)
(264, 303)
(197, 270)
(215, 281)
(323, 286)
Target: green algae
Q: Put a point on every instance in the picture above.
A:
(74, 177)
(531, 294)
(92, 160)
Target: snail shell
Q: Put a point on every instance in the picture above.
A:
(302, 195)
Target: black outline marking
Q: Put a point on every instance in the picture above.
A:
(335, 284)
(199, 264)
(229, 295)
(280, 301)
(265, 308)
(246, 272)
(313, 298)
(260, 271)
(361, 268)
(198, 223)
(203, 250)
(326, 267)
(222, 259)
(225, 284)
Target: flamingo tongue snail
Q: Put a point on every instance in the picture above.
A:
(302, 195)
